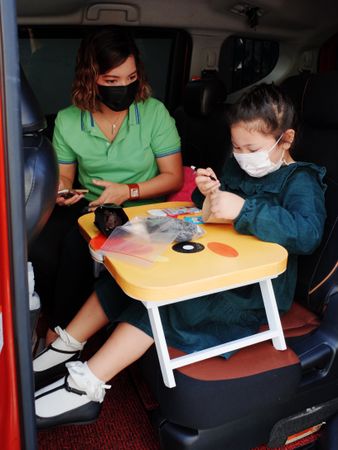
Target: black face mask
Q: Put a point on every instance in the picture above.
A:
(118, 98)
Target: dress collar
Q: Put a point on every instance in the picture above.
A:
(235, 178)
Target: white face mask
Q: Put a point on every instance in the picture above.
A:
(258, 164)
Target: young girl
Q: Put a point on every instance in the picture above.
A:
(265, 193)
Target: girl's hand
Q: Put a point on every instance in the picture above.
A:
(225, 205)
(204, 183)
(112, 193)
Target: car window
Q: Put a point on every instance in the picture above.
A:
(47, 56)
(244, 61)
(49, 66)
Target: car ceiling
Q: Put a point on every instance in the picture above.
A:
(309, 20)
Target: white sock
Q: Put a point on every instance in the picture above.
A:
(66, 342)
(81, 377)
(50, 358)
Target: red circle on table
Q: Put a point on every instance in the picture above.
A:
(97, 241)
(222, 249)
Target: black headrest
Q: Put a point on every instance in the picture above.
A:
(294, 87)
(320, 100)
(32, 118)
(202, 97)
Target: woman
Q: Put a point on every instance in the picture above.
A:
(123, 147)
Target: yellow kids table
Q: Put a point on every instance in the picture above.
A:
(228, 260)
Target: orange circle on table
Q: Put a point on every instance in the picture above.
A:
(222, 249)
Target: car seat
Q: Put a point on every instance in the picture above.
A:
(201, 123)
(40, 165)
(294, 87)
(202, 126)
(261, 395)
(40, 178)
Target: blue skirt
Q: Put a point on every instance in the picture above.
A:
(189, 325)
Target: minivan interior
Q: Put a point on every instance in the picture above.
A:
(200, 56)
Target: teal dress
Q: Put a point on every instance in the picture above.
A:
(285, 207)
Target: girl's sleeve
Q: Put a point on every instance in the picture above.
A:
(297, 223)
(64, 152)
(165, 139)
(197, 198)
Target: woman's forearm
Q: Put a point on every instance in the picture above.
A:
(65, 182)
(162, 184)
(66, 175)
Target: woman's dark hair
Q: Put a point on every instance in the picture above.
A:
(100, 52)
(266, 107)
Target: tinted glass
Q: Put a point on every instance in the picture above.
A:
(48, 55)
(244, 61)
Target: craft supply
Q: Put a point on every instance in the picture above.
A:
(157, 212)
(194, 168)
(174, 212)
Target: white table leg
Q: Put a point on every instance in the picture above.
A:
(161, 346)
(272, 314)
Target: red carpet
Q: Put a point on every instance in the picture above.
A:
(123, 424)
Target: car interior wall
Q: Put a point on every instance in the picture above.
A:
(140, 13)
(206, 50)
(311, 21)
(293, 58)
(287, 65)
(206, 54)
(206, 41)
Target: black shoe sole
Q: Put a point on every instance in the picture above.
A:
(83, 415)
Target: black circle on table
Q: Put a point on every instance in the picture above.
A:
(188, 247)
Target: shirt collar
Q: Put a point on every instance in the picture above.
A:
(134, 114)
(87, 120)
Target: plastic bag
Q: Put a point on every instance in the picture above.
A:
(185, 231)
(143, 239)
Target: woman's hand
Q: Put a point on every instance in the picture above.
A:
(68, 201)
(67, 174)
(204, 183)
(225, 205)
(112, 193)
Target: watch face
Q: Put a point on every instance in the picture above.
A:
(134, 192)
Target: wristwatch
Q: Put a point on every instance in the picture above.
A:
(134, 191)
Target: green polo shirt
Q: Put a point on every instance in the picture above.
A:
(148, 132)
